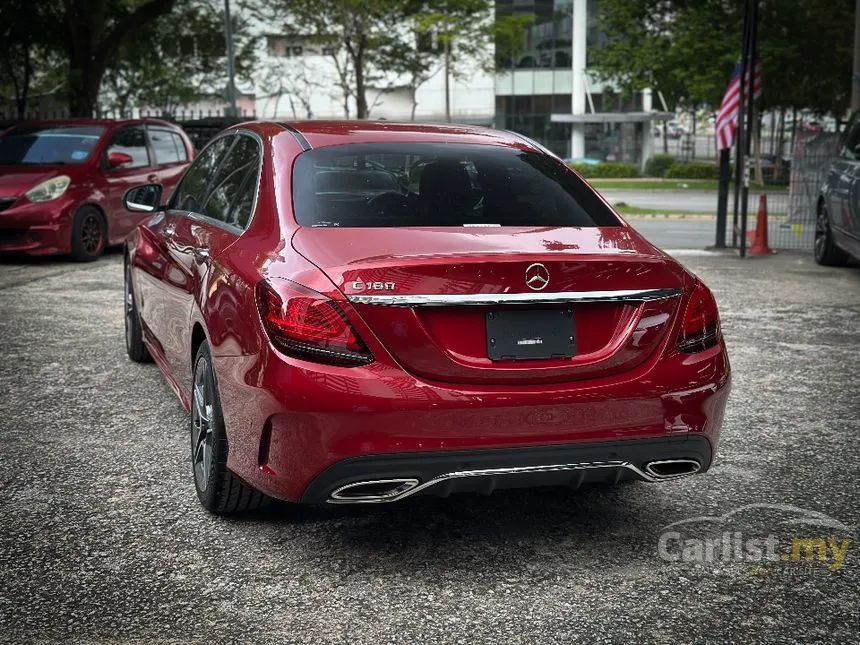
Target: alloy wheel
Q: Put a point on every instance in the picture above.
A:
(91, 233)
(201, 424)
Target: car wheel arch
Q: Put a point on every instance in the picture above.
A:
(101, 211)
(198, 335)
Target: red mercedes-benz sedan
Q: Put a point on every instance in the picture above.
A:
(62, 182)
(359, 312)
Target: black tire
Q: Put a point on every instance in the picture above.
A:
(89, 234)
(218, 489)
(134, 346)
(825, 249)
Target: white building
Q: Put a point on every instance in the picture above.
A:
(300, 79)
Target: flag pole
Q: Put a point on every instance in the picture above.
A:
(748, 107)
(723, 198)
(739, 137)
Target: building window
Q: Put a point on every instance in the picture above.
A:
(548, 41)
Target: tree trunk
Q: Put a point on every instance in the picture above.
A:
(90, 47)
(447, 80)
(25, 85)
(413, 95)
(780, 139)
(85, 77)
(358, 63)
(665, 140)
(793, 129)
(693, 147)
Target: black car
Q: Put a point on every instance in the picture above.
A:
(837, 228)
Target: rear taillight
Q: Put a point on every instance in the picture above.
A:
(306, 324)
(700, 328)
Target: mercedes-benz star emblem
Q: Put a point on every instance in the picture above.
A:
(537, 277)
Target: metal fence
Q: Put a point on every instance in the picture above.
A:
(791, 208)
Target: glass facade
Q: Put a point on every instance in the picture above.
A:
(548, 42)
(537, 83)
(530, 115)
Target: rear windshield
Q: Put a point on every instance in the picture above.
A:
(407, 184)
(68, 144)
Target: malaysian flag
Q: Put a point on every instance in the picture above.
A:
(727, 118)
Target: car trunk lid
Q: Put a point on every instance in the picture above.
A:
(504, 305)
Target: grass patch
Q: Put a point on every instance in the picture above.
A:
(628, 210)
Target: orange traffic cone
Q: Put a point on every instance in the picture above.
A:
(758, 240)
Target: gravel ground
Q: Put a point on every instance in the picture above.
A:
(102, 539)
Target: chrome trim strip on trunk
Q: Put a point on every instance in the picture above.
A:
(469, 299)
(336, 497)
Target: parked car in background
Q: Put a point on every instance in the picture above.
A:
(837, 229)
(675, 130)
(62, 182)
(342, 336)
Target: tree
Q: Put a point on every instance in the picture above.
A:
(438, 37)
(94, 32)
(359, 28)
(687, 49)
(297, 78)
(177, 59)
(670, 46)
(391, 42)
(27, 60)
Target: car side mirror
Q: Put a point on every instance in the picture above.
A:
(143, 199)
(117, 159)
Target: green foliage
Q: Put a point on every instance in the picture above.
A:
(30, 62)
(681, 170)
(510, 35)
(687, 50)
(607, 169)
(178, 59)
(657, 165)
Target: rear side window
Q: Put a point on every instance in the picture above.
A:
(131, 141)
(167, 146)
(191, 192)
(231, 198)
(380, 185)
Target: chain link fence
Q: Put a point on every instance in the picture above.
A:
(791, 208)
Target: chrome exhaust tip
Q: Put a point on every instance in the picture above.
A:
(672, 468)
(376, 490)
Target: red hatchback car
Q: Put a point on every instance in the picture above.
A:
(359, 312)
(62, 182)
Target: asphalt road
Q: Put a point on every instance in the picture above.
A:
(690, 201)
(673, 233)
(102, 539)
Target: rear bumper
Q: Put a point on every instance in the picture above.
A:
(37, 229)
(298, 430)
(483, 471)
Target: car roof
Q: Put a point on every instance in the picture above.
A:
(319, 134)
(110, 123)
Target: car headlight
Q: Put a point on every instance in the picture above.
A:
(49, 189)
